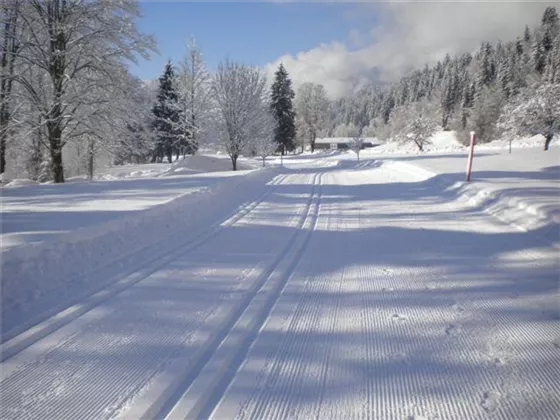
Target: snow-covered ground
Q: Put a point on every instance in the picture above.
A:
(34, 212)
(328, 288)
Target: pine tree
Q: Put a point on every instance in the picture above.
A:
(282, 108)
(519, 47)
(527, 35)
(538, 57)
(167, 116)
(550, 17)
(550, 28)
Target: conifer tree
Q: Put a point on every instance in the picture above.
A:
(167, 116)
(281, 105)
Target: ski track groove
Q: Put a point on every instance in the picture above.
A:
(221, 381)
(35, 332)
(211, 348)
(157, 412)
(282, 368)
(392, 391)
(12, 342)
(276, 369)
(84, 345)
(403, 352)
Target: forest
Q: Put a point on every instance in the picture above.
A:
(69, 103)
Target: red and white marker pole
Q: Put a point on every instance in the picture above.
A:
(471, 154)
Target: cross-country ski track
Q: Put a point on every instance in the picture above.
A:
(354, 291)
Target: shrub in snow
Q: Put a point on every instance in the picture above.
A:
(533, 113)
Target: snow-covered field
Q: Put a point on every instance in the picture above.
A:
(33, 212)
(328, 288)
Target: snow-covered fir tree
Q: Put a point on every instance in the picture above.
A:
(460, 87)
(281, 103)
(167, 117)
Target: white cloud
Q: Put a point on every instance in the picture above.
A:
(410, 34)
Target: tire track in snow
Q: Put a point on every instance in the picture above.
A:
(26, 338)
(91, 348)
(202, 392)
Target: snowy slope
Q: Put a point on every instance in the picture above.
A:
(521, 188)
(349, 290)
(33, 212)
(93, 254)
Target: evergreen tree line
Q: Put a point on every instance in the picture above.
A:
(480, 91)
(233, 110)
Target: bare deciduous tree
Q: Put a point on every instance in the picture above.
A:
(239, 92)
(80, 46)
(195, 93)
(10, 45)
(534, 113)
(311, 107)
(413, 124)
(264, 143)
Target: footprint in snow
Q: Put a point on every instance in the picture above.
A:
(453, 330)
(397, 317)
(498, 361)
(491, 401)
(458, 308)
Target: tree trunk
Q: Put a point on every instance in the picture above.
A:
(10, 48)
(56, 159)
(264, 158)
(57, 70)
(3, 136)
(234, 162)
(169, 154)
(547, 139)
(55, 144)
(91, 158)
(312, 142)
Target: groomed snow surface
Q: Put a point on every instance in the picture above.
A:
(327, 288)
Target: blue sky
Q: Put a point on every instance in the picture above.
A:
(254, 33)
(338, 44)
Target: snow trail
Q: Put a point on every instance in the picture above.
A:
(360, 332)
(157, 321)
(353, 291)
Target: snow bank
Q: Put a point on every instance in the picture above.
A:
(203, 163)
(31, 271)
(442, 141)
(20, 182)
(447, 142)
(519, 142)
(523, 207)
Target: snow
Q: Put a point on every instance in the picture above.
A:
(20, 182)
(203, 163)
(329, 288)
(344, 140)
(441, 142)
(39, 212)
